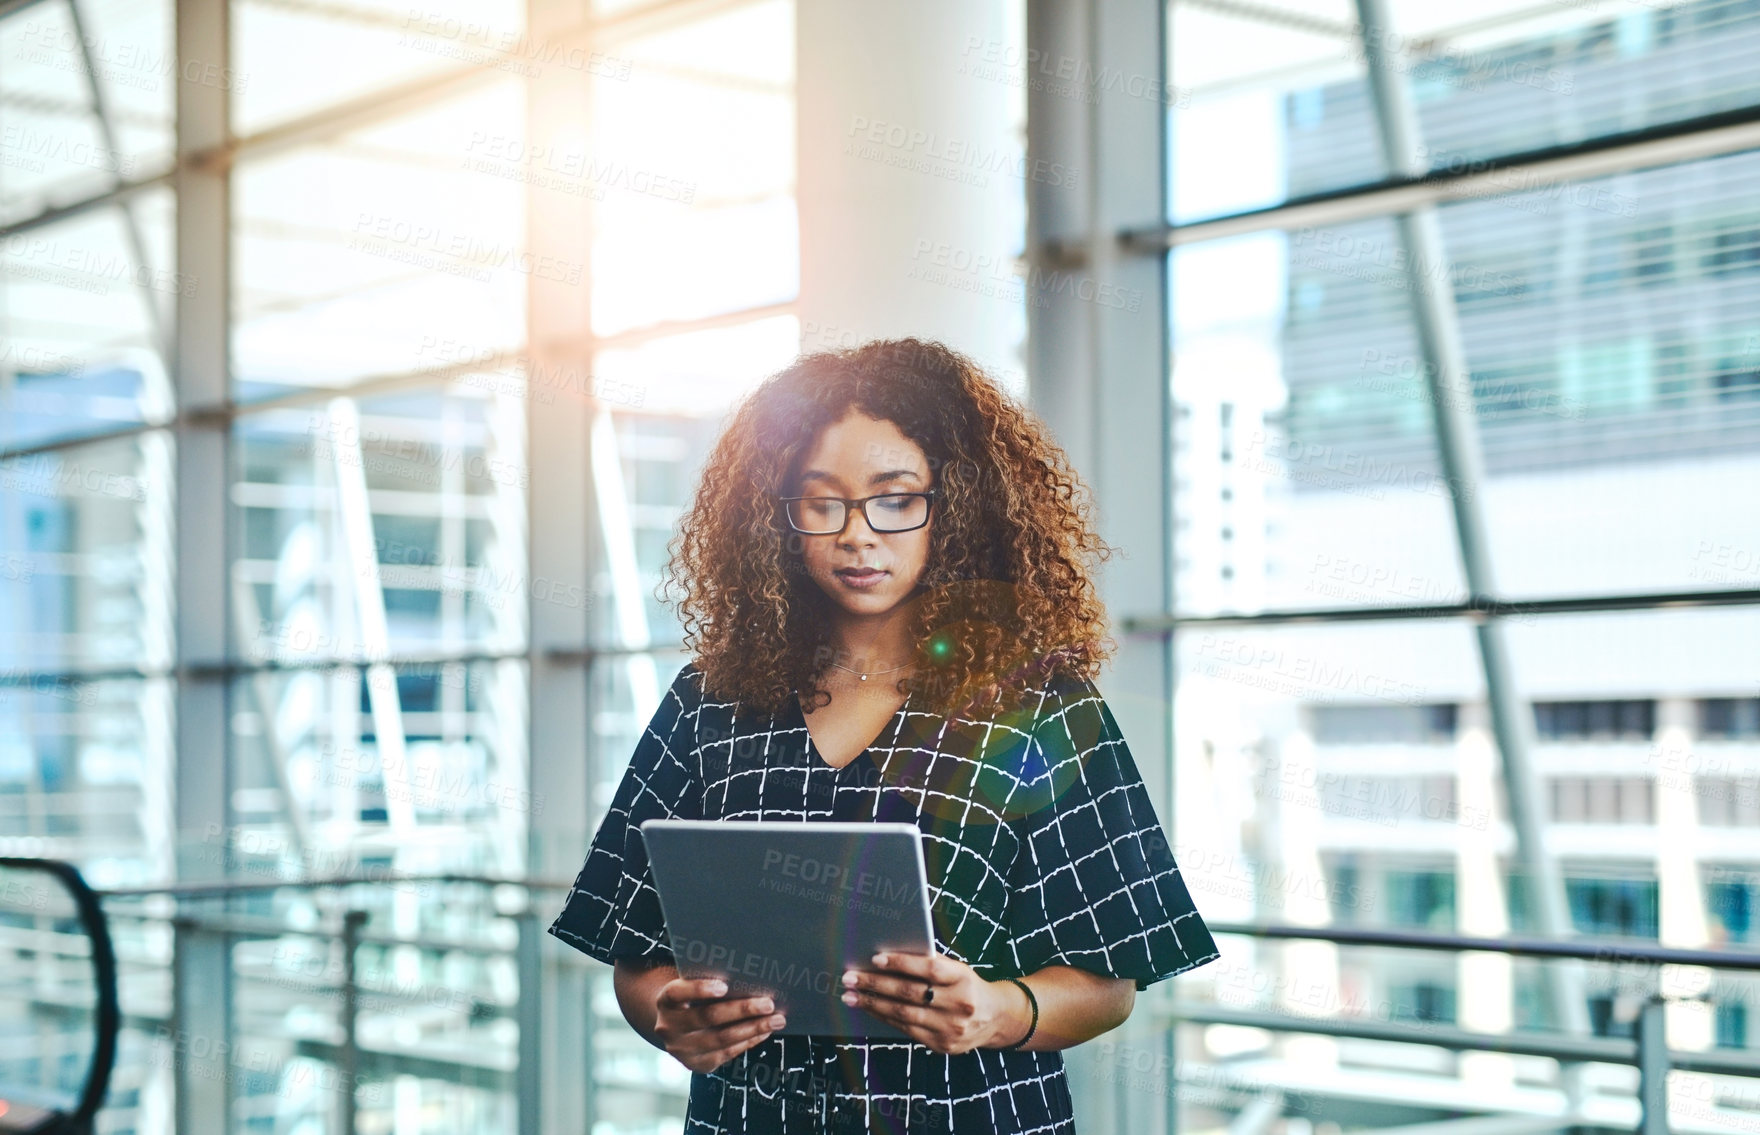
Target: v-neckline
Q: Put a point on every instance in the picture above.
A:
(814, 756)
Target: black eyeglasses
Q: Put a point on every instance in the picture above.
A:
(827, 516)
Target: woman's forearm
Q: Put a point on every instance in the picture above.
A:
(637, 986)
(1074, 1006)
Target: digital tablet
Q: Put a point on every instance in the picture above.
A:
(785, 908)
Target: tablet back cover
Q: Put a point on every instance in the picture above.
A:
(784, 908)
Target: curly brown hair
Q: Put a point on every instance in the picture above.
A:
(1008, 599)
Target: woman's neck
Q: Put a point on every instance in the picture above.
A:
(875, 641)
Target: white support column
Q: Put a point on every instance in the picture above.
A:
(1482, 909)
(909, 183)
(202, 974)
(1098, 374)
(1691, 1018)
(561, 550)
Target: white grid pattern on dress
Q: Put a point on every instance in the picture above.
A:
(1042, 848)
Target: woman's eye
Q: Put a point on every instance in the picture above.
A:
(896, 504)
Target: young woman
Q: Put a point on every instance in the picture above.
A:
(887, 596)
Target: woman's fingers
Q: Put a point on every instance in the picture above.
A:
(906, 989)
(900, 1013)
(727, 1012)
(708, 1049)
(938, 969)
(710, 1061)
(683, 990)
(709, 1040)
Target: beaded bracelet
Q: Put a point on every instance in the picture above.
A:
(1034, 1002)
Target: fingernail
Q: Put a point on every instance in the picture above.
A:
(765, 1005)
(879, 959)
(849, 979)
(778, 1021)
(850, 999)
(718, 987)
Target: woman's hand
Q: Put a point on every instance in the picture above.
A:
(698, 1024)
(965, 1012)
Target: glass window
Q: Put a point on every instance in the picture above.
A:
(693, 172)
(56, 146)
(1324, 470)
(385, 523)
(85, 305)
(1610, 906)
(1731, 896)
(1358, 724)
(1729, 717)
(396, 248)
(85, 557)
(296, 60)
(1595, 720)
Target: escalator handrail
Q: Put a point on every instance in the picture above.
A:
(109, 1010)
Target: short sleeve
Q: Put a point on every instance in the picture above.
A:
(613, 910)
(1095, 885)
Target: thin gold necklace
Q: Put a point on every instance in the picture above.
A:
(864, 677)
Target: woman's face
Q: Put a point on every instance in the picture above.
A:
(861, 457)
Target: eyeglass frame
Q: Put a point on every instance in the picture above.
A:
(860, 504)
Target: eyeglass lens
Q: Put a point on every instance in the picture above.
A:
(823, 516)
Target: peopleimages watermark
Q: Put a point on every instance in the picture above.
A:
(484, 44)
(32, 150)
(1716, 775)
(381, 988)
(1064, 76)
(252, 851)
(1408, 376)
(1372, 799)
(1011, 279)
(1226, 874)
(1523, 189)
(1377, 261)
(120, 64)
(835, 884)
(203, 1057)
(40, 360)
(20, 893)
(938, 155)
(810, 1094)
(52, 475)
(1343, 469)
(393, 456)
(423, 783)
(1341, 577)
(1248, 986)
(457, 253)
(764, 970)
(1412, 54)
(524, 379)
(1717, 561)
(57, 686)
(570, 171)
(1273, 667)
(90, 270)
(1150, 1070)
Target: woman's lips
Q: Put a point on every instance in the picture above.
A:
(860, 578)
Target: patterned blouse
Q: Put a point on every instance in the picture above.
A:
(1042, 848)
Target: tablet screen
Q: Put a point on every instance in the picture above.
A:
(785, 908)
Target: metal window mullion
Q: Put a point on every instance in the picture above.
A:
(1694, 139)
(1431, 288)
